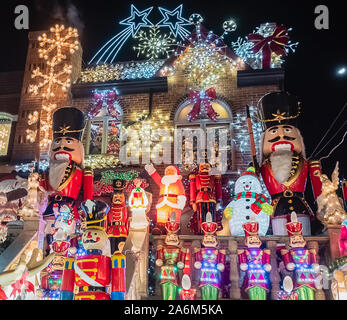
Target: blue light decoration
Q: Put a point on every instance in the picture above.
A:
(174, 20)
(28, 167)
(136, 21)
(110, 49)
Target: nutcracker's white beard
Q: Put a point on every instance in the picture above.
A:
(56, 172)
(281, 164)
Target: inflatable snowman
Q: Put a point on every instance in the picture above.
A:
(248, 199)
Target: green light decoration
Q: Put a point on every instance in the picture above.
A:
(108, 176)
(337, 263)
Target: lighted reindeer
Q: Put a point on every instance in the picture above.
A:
(330, 209)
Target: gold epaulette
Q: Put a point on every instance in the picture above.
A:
(267, 251)
(88, 171)
(192, 176)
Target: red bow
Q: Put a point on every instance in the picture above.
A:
(275, 43)
(204, 98)
(17, 286)
(109, 98)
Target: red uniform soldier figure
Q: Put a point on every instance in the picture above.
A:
(67, 175)
(255, 262)
(300, 260)
(210, 260)
(284, 167)
(117, 218)
(92, 273)
(169, 258)
(205, 195)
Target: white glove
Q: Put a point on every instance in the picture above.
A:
(159, 263)
(181, 202)
(243, 266)
(218, 205)
(267, 267)
(220, 267)
(3, 199)
(290, 266)
(180, 265)
(197, 265)
(150, 169)
(315, 267)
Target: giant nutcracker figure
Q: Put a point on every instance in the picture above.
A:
(172, 196)
(67, 175)
(210, 260)
(92, 273)
(117, 218)
(300, 260)
(255, 262)
(284, 167)
(169, 258)
(205, 195)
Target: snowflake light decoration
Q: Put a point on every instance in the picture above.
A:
(153, 44)
(54, 48)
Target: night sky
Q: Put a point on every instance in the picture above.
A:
(311, 73)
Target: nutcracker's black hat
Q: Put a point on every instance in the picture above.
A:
(279, 108)
(95, 213)
(119, 185)
(68, 123)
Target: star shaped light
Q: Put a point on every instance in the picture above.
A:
(173, 19)
(135, 15)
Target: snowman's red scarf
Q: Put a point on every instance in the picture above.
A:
(256, 205)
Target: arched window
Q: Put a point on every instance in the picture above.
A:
(102, 133)
(6, 121)
(216, 134)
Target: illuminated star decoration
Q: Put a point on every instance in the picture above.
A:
(136, 21)
(174, 20)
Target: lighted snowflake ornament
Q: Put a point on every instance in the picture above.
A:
(153, 44)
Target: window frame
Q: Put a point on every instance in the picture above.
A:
(204, 123)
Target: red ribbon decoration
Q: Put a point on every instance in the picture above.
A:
(17, 286)
(199, 98)
(275, 43)
(109, 98)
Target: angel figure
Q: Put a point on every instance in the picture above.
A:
(330, 210)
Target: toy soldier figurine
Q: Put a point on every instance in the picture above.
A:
(117, 218)
(66, 176)
(93, 272)
(210, 261)
(172, 196)
(169, 258)
(205, 195)
(255, 262)
(300, 259)
(284, 167)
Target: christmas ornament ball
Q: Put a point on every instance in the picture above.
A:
(229, 25)
(196, 19)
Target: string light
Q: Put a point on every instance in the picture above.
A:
(153, 44)
(204, 60)
(243, 48)
(53, 50)
(121, 71)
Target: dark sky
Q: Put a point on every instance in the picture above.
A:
(310, 72)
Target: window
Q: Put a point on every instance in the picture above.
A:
(205, 138)
(102, 134)
(5, 133)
